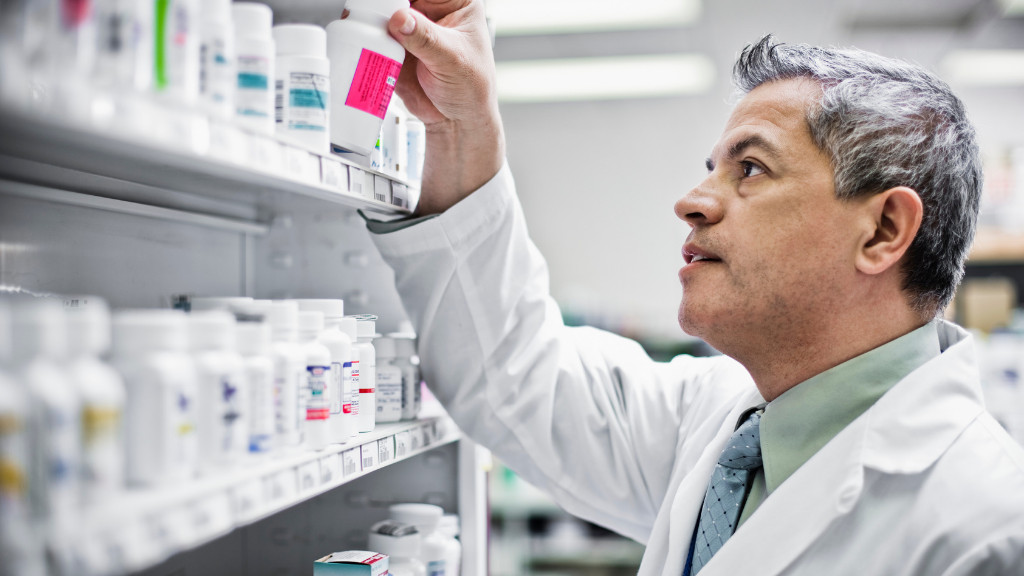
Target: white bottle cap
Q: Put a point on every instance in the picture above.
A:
(423, 516)
(40, 328)
(404, 347)
(218, 303)
(385, 8)
(300, 40)
(137, 331)
(211, 330)
(252, 20)
(332, 309)
(385, 347)
(311, 322)
(88, 325)
(253, 338)
(449, 525)
(396, 539)
(283, 317)
(251, 311)
(365, 328)
(348, 326)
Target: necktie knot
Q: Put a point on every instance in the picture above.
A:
(743, 452)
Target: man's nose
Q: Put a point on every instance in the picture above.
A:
(700, 206)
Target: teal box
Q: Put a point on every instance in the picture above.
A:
(352, 563)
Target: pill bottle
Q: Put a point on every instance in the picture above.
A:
(289, 374)
(316, 388)
(405, 350)
(365, 62)
(449, 528)
(389, 382)
(403, 545)
(101, 390)
(395, 141)
(39, 349)
(19, 546)
(124, 58)
(351, 382)
(425, 517)
(254, 63)
(365, 331)
(258, 364)
(151, 352)
(302, 86)
(176, 53)
(341, 421)
(416, 137)
(217, 74)
(223, 398)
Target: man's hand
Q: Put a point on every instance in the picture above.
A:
(448, 81)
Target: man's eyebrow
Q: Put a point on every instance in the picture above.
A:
(754, 141)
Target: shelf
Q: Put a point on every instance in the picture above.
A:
(997, 247)
(218, 170)
(145, 526)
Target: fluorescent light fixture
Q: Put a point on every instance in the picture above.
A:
(525, 17)
(615, 78)
(1013, 7)
(985, 67)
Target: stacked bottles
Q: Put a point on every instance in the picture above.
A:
(289, 374)
(222, 390)
(408, 363)
(316, 388)
(367, 378)
(341, 420)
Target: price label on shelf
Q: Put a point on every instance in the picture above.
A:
(369, 455)
(386, 449)
(357, 182)
(333, 174)
(309, 476)
(247, 500)
(381, 189)
(330, 469)
(402, 447)
(351, 463)
(399, 195)
(227, 143)
(283, 486)
(302, 165)
(265, 154)
(416, 438)
(211, 516)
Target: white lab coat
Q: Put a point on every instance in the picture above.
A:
(925, 482)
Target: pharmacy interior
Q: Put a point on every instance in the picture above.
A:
(205, 364)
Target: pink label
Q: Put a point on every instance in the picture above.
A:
(374, 83)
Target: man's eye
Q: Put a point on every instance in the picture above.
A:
(751, 169)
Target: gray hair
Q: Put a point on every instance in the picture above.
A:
(887, 123)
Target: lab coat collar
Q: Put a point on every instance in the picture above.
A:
(905, 432)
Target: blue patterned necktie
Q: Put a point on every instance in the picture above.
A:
(727, 491)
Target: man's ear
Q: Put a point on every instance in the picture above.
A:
(892, 219)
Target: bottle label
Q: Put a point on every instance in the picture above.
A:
(389, 392)
(317, 404)
(286, 396)
(435, 568)
(252, 96)
(307, 96)
(337, 387)
(374, 83)
(355, 387)
(347, 384)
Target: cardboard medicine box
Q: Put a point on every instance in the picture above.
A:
(352, 563)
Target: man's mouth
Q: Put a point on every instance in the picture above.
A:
(692, 254)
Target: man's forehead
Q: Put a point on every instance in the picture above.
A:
(774, 112)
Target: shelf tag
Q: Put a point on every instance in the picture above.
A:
(211, 516)
(333, 174)
(330, 469)
(369, 455)
(302, 165)
(351, 463)
(402, 444)
(227, 143)
(399, 195)
(416, 438)
(386, 449)
(381, 189)
(247, 501)
(309, 476)
(357, 182)
(281, 486)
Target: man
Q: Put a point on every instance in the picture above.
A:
(844, 433)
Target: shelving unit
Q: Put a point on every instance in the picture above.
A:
(997, 247)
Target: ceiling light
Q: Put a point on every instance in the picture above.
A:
(984, 67)
(524, 17)
(614, 78)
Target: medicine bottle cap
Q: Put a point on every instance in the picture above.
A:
(252, 20)
(283, 317)
(253, 338)
(365, 327)
(300, 40)
(331, 309)
(385, 347)
(449, 525)
(423, 516)
(385, 8)
(211, 330)
(218, 303)
(40, 327)
(311, 321)
(404, 347)
(396, 539)
(348, 326)
(139, 331)
(88, 320)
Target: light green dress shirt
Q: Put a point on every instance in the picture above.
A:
(806, 417)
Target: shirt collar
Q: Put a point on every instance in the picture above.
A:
(806, 417)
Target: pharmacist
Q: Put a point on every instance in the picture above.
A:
(843, 432)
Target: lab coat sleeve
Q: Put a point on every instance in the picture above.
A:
(583, 414)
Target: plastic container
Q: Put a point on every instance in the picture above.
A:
(124, 58)
(302, 86)
(365, 63)
(348, 325)
(254, 347)
(402, 543)
(425, 517)
(341, 421)
(176, 54)
(223, 391)
(389, 382)
(405, 350)
(289, 374)
(101, 390)
(217, 74)
(254, 62)
(394, 141)
(151, 353)
(449, 528)
(416, 137)
(316, 390)
(365, 331)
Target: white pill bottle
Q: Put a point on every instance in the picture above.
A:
(366, 325)
(254, 61)
(341, 422)
(254, 346)
(217, 76)
(302, 86)
(365, 62)
(389, 382)
(425, 517)
(289, 374)
(316, 389)
(223, 390)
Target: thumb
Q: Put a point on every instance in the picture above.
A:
(419, 36)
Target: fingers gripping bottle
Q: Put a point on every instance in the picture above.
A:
(316, 392)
